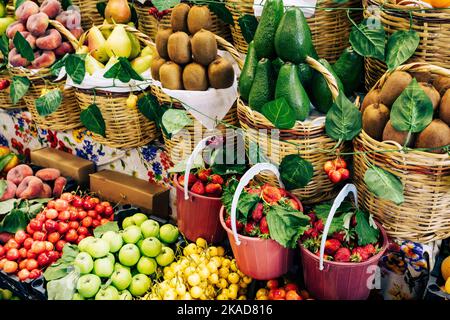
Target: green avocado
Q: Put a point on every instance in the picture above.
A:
(305, 73)
(248, 72)
(267, 27)
(263, 87)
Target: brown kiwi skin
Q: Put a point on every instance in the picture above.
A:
(204, 47)
(178, 17)
(221, 73)
(441, 84)
(156, 65)
(394, 86)
(436, 135)
(199, 17)
(432, 93)
(195, 77)
(170, 75)
(391, 134)
(444, 108)
(179, 48)
(420, 76)
(161, 40)
(374, 120)
(373, 96)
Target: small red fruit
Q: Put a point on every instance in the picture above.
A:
(60, 245)
(30, 230)
(31, 264)
(291, 287)
(41, 217)
(23, 274)
(103, 221)
(20, 236)
(23, 253)
(204, 174)
(36, 225)
(4, 84)
(51, 214)
(34, 274)
(272, 284)
(2, 251)
(345, 174)
(294, 204)
(264, 226)
(39, 236)
(339, 163)
(213, 189)
(12, 254)
(108, 211)
(92, 214)
(77, 202)
(318, 225)
(257, 213)
(95, 223)
(38, 247)
(73, 215)
(31, 255)
(27, 243)
(11, 244)
(67, 196)
(335, 176)
(271, 194)
(71, 236)
(80, 237)
(64, 215)
(86, 222)
(331, 246)
(88, 205)
(63, 227)
(279, 294)
(82, 214)
(43, 260)
(192, 179)
(10, 266)
(293, 295)
(215, 178)
(61, 205)
(53, 237)
(49, 246)
(198, 188)
(105, 204)
(74, 225)
(51, 226)
(99, 209)
(228, 222)
(23, 264)
(53, 256)
(342, 255)
(250, 228)
(328, 166)
(51, 204)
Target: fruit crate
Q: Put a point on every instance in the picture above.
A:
(433, 291)
(25, 290)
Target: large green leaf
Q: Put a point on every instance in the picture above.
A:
(122, 71)
(366, 233)
(18, 3)
(384, 184)
(247, 201)
(75, 67)
(109, 226)
(400, 47)
(148, 105)
(343, 120)
(295, 171)
(280, 113)
(55, 69)
(162, 5)
(14, 221)
(23, 47)
(49, 103)
(4, 45)
(92, 119)
(175, 120)
(367, 38)
(63, 288)
(19, 87)
(413, 109)
(338, 223)
(221, 11)
(248, 24)
(3, 187)
(7, 205)
(228, 193)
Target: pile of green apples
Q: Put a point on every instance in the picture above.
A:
(6, 294)
(119, 265)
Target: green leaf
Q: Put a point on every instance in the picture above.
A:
(49, 103)
(343, 120)
(286, 225)
(4, 45)
(400, 47)
(122, 71)
(57, 271)
(228, 193)
(101, 6)
(338, 223)
(92, 119)
(109, 226)
(57, 66)
(18, 3)
(63, 288)
(66, 4)
(4, 160)
(280, 113)
(248, 24)
(19, 87)
(247, 201)
(14, 221)
(175, 120)
(413, 109)
(162, 5)
(23, 47)
(7, 205)
(367, 38)
(366, 233)
(223, 164)
(221, 11)
(295, 171)
(384, 185)
(75, 67)
(148, 105)
(70, 252)
(3, 186)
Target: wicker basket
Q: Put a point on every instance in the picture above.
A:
(5, 99)
(89, 13)
(424, 215)
(432, 25)
(149, 25)
(67, 116)
(305, 139)
(330, 28)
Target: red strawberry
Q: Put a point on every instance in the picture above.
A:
(307, 234)
(325, 256)
(215, 178)
(283, 192)
(228, 222)
(191, 181)
(370, 249)
(331, 246)
(254, 190)
(318, 225)
(213, 189)
(359, 255)
(257, 214)
(239, 225)
(204, 174)
(339, 236)
(342, 255)
(263, 226)
(312, 218)
(198, 188)
(250, 228)
(271, 194)
(353, 221)
(293, 204)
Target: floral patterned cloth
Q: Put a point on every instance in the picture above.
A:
(18, 132)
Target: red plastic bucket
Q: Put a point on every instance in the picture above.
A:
(198, 217)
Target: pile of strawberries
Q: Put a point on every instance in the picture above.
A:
(204, 182)
(68, 219)
(274, 291)
(336, 170)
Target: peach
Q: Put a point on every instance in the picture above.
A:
(13, 28)
(77, 32)
(60, 184)
(51, 8)
(17, 174)
(10, 191)
(25, 10)
(16, 60)
(29, 188)
(64, 48)
(37, 24)
(50, 40)
(46, 191)
(48, 174)
(43, 59)
(30, 39)
(71, 19)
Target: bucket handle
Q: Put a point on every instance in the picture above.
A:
(249, 175)
(349, 188)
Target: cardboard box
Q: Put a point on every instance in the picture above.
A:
(124, 189)
(70, 166)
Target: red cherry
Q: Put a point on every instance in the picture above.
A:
(335, 176)
(82, 214)
(83, 231)
(20, 236)
(99, 209)
(61, 205)
(109, 211)
(41, 217)
(60, 245)
(53, 237)
(27, 243)
(67, 196)
(51, 204)
(86, 222)
(74, 225)
(39, 236)
(92, 214)
(51, 214)
(31, 264)
(95, 223)
(64, 215)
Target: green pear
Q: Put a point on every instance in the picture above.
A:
(148, 51)
(135, 46)
(141, 64)
(2, 9)
(97, 44)
(106, 32)
(92, 65)
(4, 23)
(118, 43)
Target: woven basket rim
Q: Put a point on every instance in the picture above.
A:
(418, 13)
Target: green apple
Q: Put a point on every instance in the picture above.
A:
(128, 221)
(139, 285)
(138, 218)
(165, 257)
(88, 285)
(97, 248)
(132, 234)
(82, 246)
(114, 240)
(121, 278)
(84, 261)
(125, 295)
(118, 266)
(151, 247)
(109, 293)
(6, 294)
(168, 233)
(146, 266)
(129, 255)
(77, 296)
(150, 228)
(104, 267)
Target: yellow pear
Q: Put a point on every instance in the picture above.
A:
(148, 51)
(142, 63)
(118, 43)
(92, 65)
(118, 11)
(106, 32)
(135, 46)
(82, 49)
(97, 44)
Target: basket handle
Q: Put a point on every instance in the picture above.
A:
(231, 50)
(66, 33)
(249, 175)
(329, 78)
(336, 204)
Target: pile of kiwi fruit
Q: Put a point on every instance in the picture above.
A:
(378, 102)
(187, 52)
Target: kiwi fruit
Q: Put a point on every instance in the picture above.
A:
(432, 93)
(441, 84)
(204, 47)
(179, 48)
(374, 120)
(178, 17)
(199, 17)
(373, 96)
(391, 134)
(419, 76)
(161, 40)
(394, 86)
(436, 135)
(195, 77)
(170, 75)
(221, 73)
(444, 108)
(156, 64)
